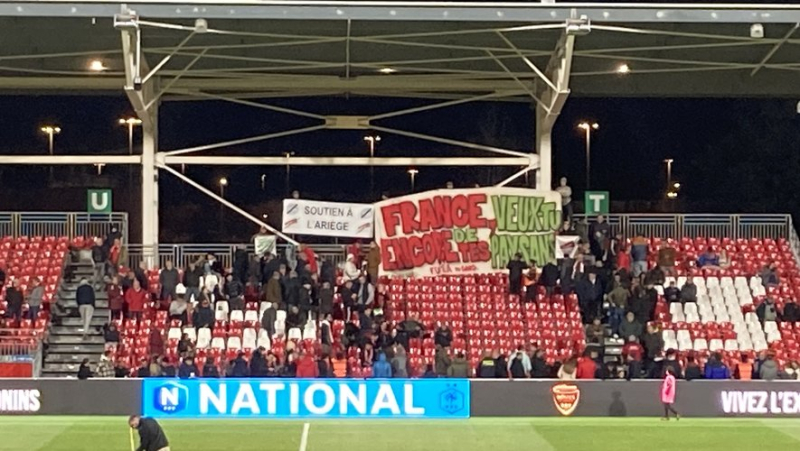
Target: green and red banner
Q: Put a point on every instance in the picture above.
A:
(466, 231)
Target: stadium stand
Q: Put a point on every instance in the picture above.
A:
(28, 258)
(484, 317)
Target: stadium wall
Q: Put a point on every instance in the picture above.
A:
(486, 398)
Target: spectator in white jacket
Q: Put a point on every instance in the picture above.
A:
(351, 271)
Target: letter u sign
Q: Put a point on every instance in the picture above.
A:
(98, 201)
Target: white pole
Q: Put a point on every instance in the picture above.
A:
(230, 205)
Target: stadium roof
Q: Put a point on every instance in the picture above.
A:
(260, 49)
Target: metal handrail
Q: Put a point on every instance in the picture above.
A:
(69, 224)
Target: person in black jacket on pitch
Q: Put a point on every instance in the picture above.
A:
(151, 436)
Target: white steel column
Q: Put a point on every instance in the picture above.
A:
(544, 147)
(553, 96)
(150, 188)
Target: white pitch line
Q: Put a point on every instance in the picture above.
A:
(304, 437)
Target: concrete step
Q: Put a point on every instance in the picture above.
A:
(62, 331)
(70, 358)
(92, 339)
(69, 322)
(68, 291)
(56, 349)
(61, 369)
(72, 304)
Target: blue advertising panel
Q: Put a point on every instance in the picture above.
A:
(306, 398)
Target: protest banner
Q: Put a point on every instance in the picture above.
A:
(567, 246)
(466, 231)
(308, 217)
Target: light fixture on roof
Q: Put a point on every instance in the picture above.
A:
(757, 31)
(579, 27)
(97, 66)
(623, 69)
(387, 70)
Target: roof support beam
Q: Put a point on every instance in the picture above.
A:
(775, 49)
(559, 68)
(140, 94)
(226, 203)
(346, 161)
(70, 159)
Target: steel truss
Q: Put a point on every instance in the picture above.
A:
(497, 70)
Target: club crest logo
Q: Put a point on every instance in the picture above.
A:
(566, 398)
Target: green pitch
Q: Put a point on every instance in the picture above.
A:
(534, 434)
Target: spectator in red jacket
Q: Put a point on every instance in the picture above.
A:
(632, 349)
(306, 366)
(586, 367)
(136, 298)
(311, 258)
(115, 298)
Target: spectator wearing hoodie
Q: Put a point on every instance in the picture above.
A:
(768, 311)
(399, 361)
(459, 367)
(688, 291)
(373, 262)
(443, 336)
(744, 369)
(203, 316)
(692, 369)
(525, 360)
(629, 326)
(672, 363)
(568, 370)
(210, 369)
(306, 366)
(486, 367)
(351, 271)
(168, 278)
(381, 369)
(84, 370)
(441, 361)
(258, 363)
(516, 368)
(539, 367)
(188, 369)
(105, 369)
(587, 367)
(35, 299)
(639, 248)
(115, 298)
(715, 369)
(136, 297)
(86, 301)
(239, 366)
(768, 370)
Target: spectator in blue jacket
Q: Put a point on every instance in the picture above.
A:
(715, 369)
(709, 260)
(381, 368)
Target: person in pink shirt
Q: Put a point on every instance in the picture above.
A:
(668, 388)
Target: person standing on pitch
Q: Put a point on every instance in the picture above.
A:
(668, 388)
(151, 436)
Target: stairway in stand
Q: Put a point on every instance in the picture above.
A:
(67, 348)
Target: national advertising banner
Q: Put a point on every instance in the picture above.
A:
(466, 231)
(306, 398)
(308, 217)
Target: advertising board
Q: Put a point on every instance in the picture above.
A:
(306, 398)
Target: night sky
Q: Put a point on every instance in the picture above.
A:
(730, 155)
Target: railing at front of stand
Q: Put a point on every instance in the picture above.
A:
(662, 225)
(701, 225)
(69, 224)
(183, 254)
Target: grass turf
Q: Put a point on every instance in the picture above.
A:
(479, 434)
